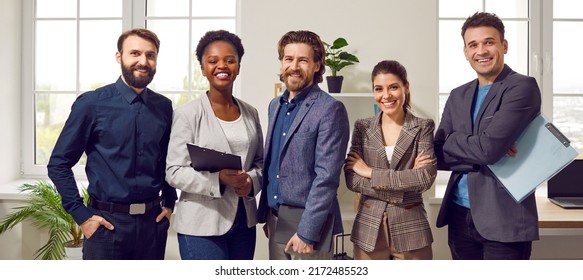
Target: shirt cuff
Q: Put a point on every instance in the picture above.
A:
(307, 241)
(81, 214)
(169, 203)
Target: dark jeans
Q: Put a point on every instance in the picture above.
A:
(134, 237)
(237, 244)
(466, 243)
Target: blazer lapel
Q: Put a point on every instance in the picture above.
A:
(468, 102)
(249, 129)
(489, 97)
(221, 142)
(304, 109)
(494, 90)
(405, 140)
(270, 125)
(377, 140)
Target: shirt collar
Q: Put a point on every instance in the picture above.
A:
(299, 98)
(128, 94)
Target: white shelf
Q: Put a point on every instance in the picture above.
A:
(352, 94)
(358, 104)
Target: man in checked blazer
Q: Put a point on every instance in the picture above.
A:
(305, 146)
(480, 124)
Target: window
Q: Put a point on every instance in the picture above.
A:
(179, 76)
(454, 70)
(565, 77)
(542, 44)
(72, 49)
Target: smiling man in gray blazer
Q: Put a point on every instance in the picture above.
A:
(306, 144)
(480, 124)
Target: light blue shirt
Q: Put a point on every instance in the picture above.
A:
(460, 194)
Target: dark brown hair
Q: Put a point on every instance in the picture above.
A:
(484, 19)
(142, 33)
(311, 39)
(395, 68)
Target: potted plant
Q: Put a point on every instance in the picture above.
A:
(336, 59)
(43, 208)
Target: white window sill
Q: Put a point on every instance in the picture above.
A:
(9, 191)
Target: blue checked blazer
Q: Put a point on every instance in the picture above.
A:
(311, 161)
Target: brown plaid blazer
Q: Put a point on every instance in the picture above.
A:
(395, 188)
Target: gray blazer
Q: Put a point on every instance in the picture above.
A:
(201, 209)
(513, 101)
(311, 161)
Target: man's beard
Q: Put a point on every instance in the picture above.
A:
(137, 82)
(295, 86)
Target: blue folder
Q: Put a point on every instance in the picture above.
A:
(543, 151)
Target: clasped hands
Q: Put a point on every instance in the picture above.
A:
(239, 180)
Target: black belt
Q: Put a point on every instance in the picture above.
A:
(132, 209)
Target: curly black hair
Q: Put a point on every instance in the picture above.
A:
(219, 35)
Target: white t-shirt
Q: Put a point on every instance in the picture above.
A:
(236, 133)
(389, 151)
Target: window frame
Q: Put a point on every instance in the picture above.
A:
(535, 69)
(540, 66)
(133, 15)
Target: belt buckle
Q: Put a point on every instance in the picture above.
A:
(137, 209)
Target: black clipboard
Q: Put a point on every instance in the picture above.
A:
(287, 225)
(205, 159)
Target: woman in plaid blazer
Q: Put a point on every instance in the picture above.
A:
(391, 222)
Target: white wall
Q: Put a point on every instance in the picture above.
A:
(375, 30)
(10, 32)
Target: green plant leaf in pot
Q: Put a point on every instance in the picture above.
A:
(44, 210)
(336, 58)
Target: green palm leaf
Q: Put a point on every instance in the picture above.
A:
(44, 210)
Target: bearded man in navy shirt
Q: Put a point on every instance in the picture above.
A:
(124, 130)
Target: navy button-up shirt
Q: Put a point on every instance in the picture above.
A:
(125, 137)
(284, 118)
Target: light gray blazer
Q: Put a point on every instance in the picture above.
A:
(201, 209)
